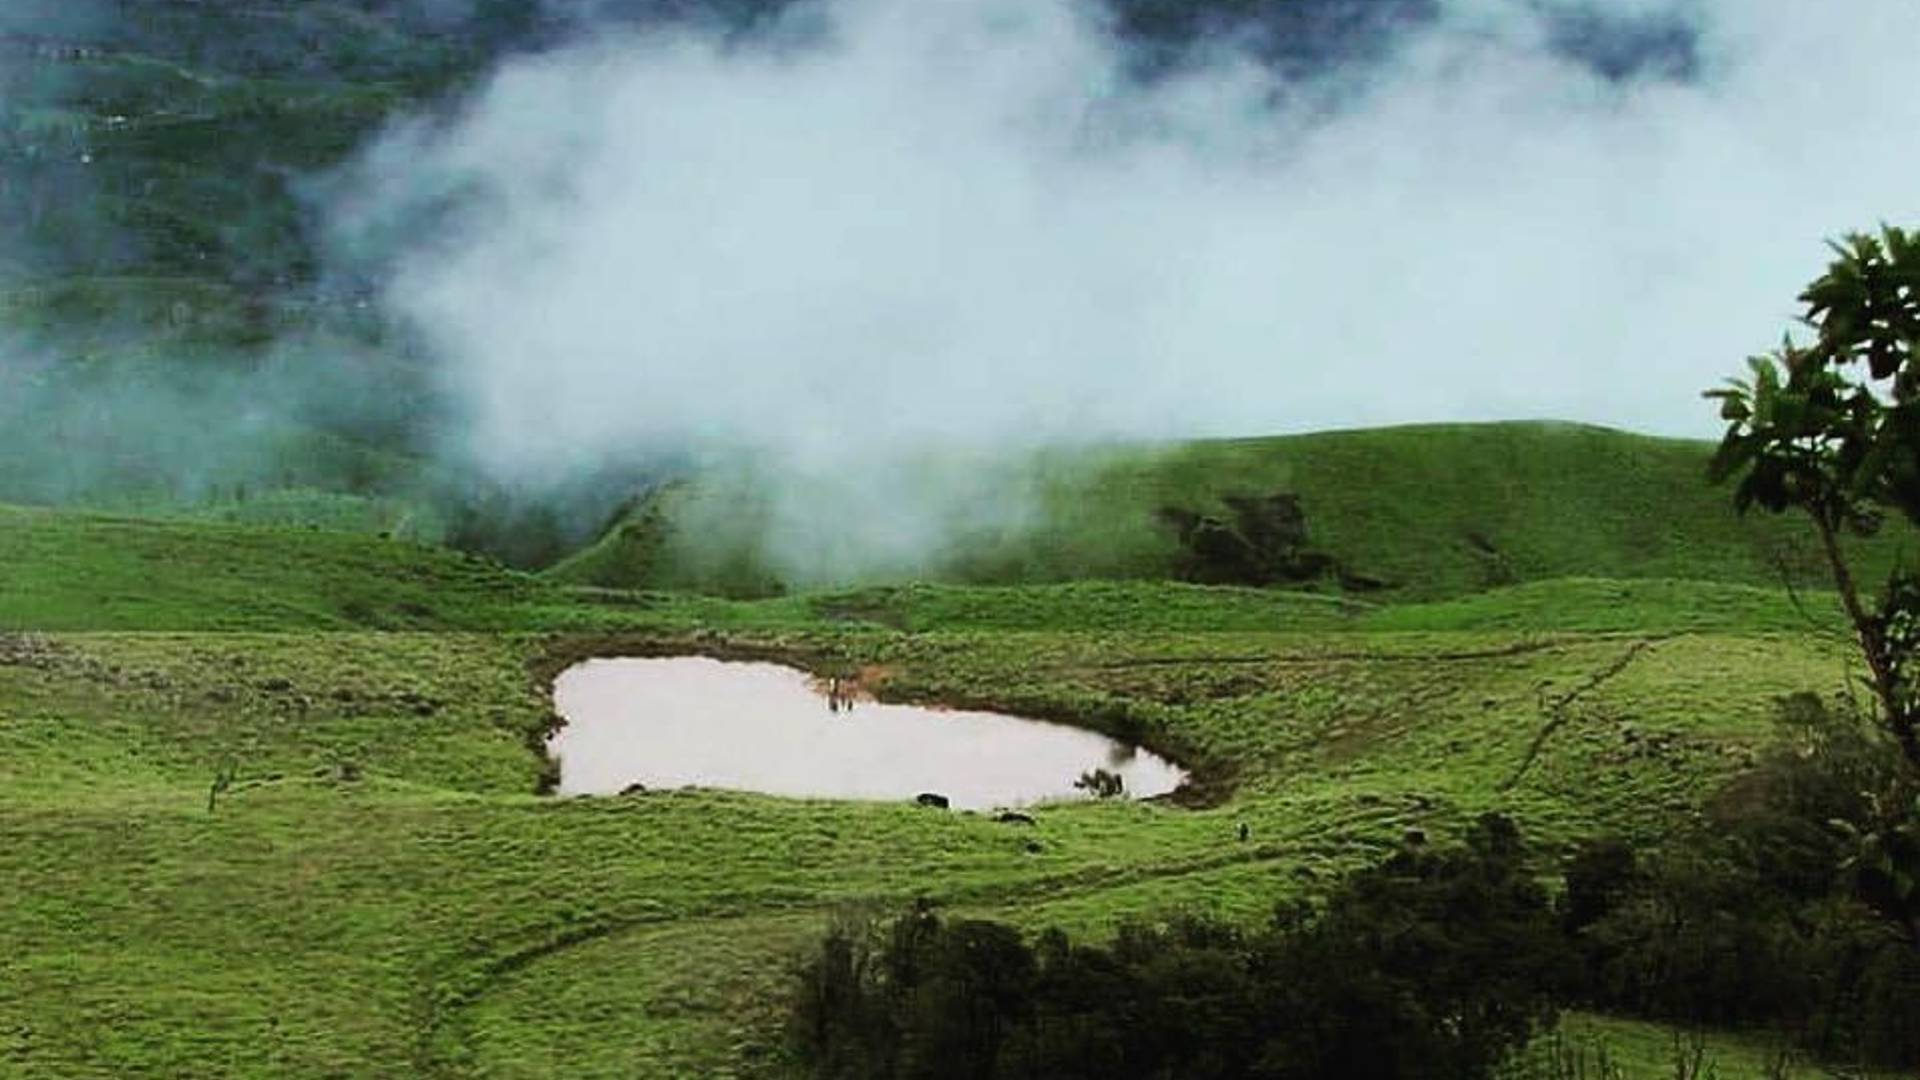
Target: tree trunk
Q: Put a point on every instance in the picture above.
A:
(1885, 684)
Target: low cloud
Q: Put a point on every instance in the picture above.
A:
(876, 229)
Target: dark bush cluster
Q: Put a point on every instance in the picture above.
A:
(1261, 541)
(1431, 965)
(1770, 915)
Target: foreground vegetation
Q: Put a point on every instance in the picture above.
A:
(1429, 965)
(1432, 964)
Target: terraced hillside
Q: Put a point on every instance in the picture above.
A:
(379, 890)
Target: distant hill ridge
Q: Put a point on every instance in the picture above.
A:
(1407, 513)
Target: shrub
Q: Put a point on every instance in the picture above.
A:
(1102, 783)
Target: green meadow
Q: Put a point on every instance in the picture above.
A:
(379, 890)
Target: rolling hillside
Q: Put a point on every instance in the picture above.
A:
(1416, 512)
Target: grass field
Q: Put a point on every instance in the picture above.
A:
(380, 891)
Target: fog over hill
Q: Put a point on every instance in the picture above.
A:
(869, 228)
(548, 239)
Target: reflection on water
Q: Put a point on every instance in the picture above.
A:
(762, 727)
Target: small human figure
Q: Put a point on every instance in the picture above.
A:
(1245, 832)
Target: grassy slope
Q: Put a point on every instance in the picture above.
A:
(1401, 503)
(1414, 506)
(62, 571)
(381, 894)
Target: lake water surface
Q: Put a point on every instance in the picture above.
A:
(683, 721)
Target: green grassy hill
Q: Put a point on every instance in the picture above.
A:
(1426, 512)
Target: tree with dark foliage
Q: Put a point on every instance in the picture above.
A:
(1832, 429)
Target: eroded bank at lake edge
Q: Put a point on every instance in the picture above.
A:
(759, 726)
